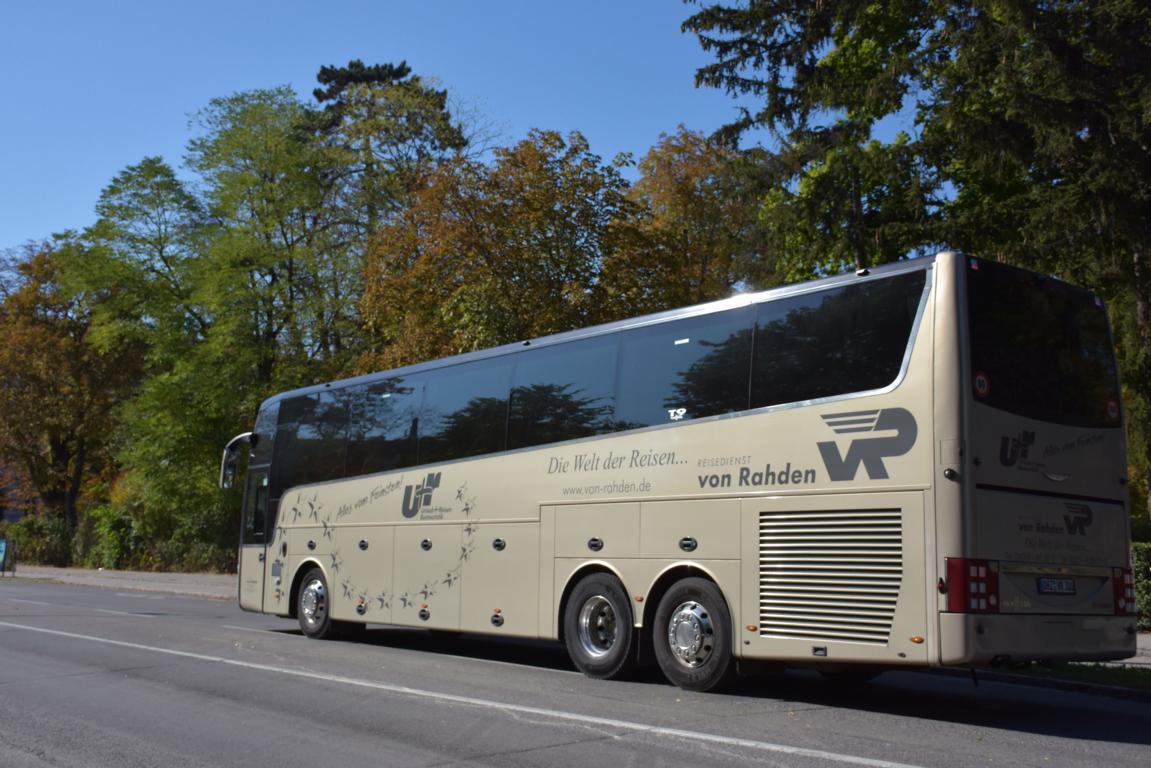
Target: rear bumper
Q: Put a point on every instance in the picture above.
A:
(990, 639)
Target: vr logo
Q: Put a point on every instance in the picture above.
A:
(1079, 517)
(420, 495)
(868, 451)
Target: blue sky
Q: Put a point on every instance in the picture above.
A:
(90, 88)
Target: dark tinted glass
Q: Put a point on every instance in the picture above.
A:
(265, 433)
(563, 392)
(311, 439)
(286, 467)
(833, 342)
(256, 521)
(465, 411)
(686, 369)
(382, 435)
(1040, 347)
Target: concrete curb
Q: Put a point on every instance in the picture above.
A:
(208, 585)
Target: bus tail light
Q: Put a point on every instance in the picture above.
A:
(1124, 582)
(972, 585)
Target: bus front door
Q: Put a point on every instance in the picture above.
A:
(254, 541)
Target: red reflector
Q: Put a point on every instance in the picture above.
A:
(972, 585)
(1123, 581)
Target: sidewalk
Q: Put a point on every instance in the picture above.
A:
(1142, 657)
(213, 585)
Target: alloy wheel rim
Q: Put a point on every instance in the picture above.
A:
(597, 626)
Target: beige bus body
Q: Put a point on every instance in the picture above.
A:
(813, 569)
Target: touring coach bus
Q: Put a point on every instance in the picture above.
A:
(919, 464)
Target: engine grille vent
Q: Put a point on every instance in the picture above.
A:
(830, 575)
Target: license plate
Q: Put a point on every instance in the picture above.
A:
(1052, 586)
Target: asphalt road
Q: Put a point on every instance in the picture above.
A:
(100, 677)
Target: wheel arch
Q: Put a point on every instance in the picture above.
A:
(578, 575)
(670, 575)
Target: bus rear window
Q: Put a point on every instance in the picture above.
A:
(1040, 348)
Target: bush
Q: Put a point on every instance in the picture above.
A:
(106, 539)
(42, 540)
(1141, 566)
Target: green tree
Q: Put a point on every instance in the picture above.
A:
(282, 277)
(262, 296)
(140, 269)
(825, 75)
(394, 127)
(1033, 144)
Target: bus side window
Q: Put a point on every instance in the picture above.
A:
(465, 411)
(686, 369)
(834, 342)
(311, 439)
(563, 392)
(382, 429)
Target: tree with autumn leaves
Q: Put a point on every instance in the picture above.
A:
(548, 237)
(59, 388)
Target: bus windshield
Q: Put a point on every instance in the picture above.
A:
(1040, 348)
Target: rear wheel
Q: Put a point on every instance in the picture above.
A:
(598, 628)
(692, 636)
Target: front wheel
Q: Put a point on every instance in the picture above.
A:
(692, 636)
(313, 606)
(598, 628)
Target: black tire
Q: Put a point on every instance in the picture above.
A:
(691, 636)
(313, 606)
(598, 628)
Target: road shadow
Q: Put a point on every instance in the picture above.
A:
(541, 654)
(958, 699)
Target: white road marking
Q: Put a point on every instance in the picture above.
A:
(29, 602)
(124, 613)
(138, 596)
(555, 714)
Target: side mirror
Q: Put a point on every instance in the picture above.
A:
(228, 473)
(228, 461)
